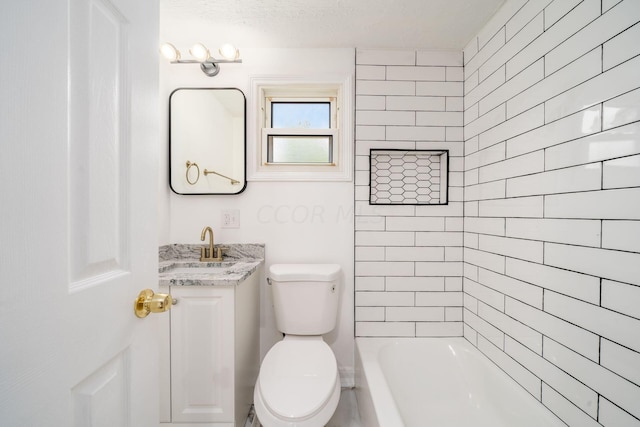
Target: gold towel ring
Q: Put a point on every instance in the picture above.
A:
(189, 165)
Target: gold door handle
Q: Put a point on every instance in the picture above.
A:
(150, 302)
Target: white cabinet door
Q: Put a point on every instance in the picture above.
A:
(202, 362)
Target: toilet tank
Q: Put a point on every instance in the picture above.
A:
(305, 297)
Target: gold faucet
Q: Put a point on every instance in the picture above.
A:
(203, 251)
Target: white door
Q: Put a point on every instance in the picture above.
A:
(78, 182)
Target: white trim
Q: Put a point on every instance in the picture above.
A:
(343, 158)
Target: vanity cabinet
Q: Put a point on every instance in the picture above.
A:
(210, 356)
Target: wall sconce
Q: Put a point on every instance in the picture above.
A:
(208, 64)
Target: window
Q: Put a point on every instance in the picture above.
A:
(293, 116)
(300, 128)
(296, 115)
(302, 133)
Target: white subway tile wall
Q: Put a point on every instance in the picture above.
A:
(536, 258)
(409, 258)
(552, 204)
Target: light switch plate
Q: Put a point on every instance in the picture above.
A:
(231, 218)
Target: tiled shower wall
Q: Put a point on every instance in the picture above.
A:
(408, 259)
(552, 203)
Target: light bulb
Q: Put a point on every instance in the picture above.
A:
(170, 52)
(200, 52)
(228, 51)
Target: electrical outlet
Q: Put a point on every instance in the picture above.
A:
(231, 218)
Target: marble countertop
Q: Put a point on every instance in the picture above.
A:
(239, 261)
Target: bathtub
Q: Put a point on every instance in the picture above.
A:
(443, 382)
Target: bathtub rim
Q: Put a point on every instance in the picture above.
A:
(378, 400)
(383, 407)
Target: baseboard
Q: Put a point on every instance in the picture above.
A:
(347, 377)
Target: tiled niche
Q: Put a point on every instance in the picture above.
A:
(408, 177)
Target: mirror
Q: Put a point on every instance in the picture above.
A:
(207, 141)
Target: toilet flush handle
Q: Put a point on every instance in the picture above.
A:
(333, 288)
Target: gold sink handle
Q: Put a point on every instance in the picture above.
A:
(150, 302)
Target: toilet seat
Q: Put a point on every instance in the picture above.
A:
(298, 384)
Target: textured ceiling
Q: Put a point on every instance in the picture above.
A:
(431, 24)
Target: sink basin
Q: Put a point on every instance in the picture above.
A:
(197, 270)
(200, 268)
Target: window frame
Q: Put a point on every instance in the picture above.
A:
(338, 93)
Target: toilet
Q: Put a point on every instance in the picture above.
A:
(298, 384)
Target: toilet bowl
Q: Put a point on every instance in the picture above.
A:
(298, 384)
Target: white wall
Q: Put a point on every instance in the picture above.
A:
(297, 221)
(552, 203)
(408, 257)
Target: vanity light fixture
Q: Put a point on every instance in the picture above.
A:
(208, 64)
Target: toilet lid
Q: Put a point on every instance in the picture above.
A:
(297, 378)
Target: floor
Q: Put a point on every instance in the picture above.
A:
(347, 413)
